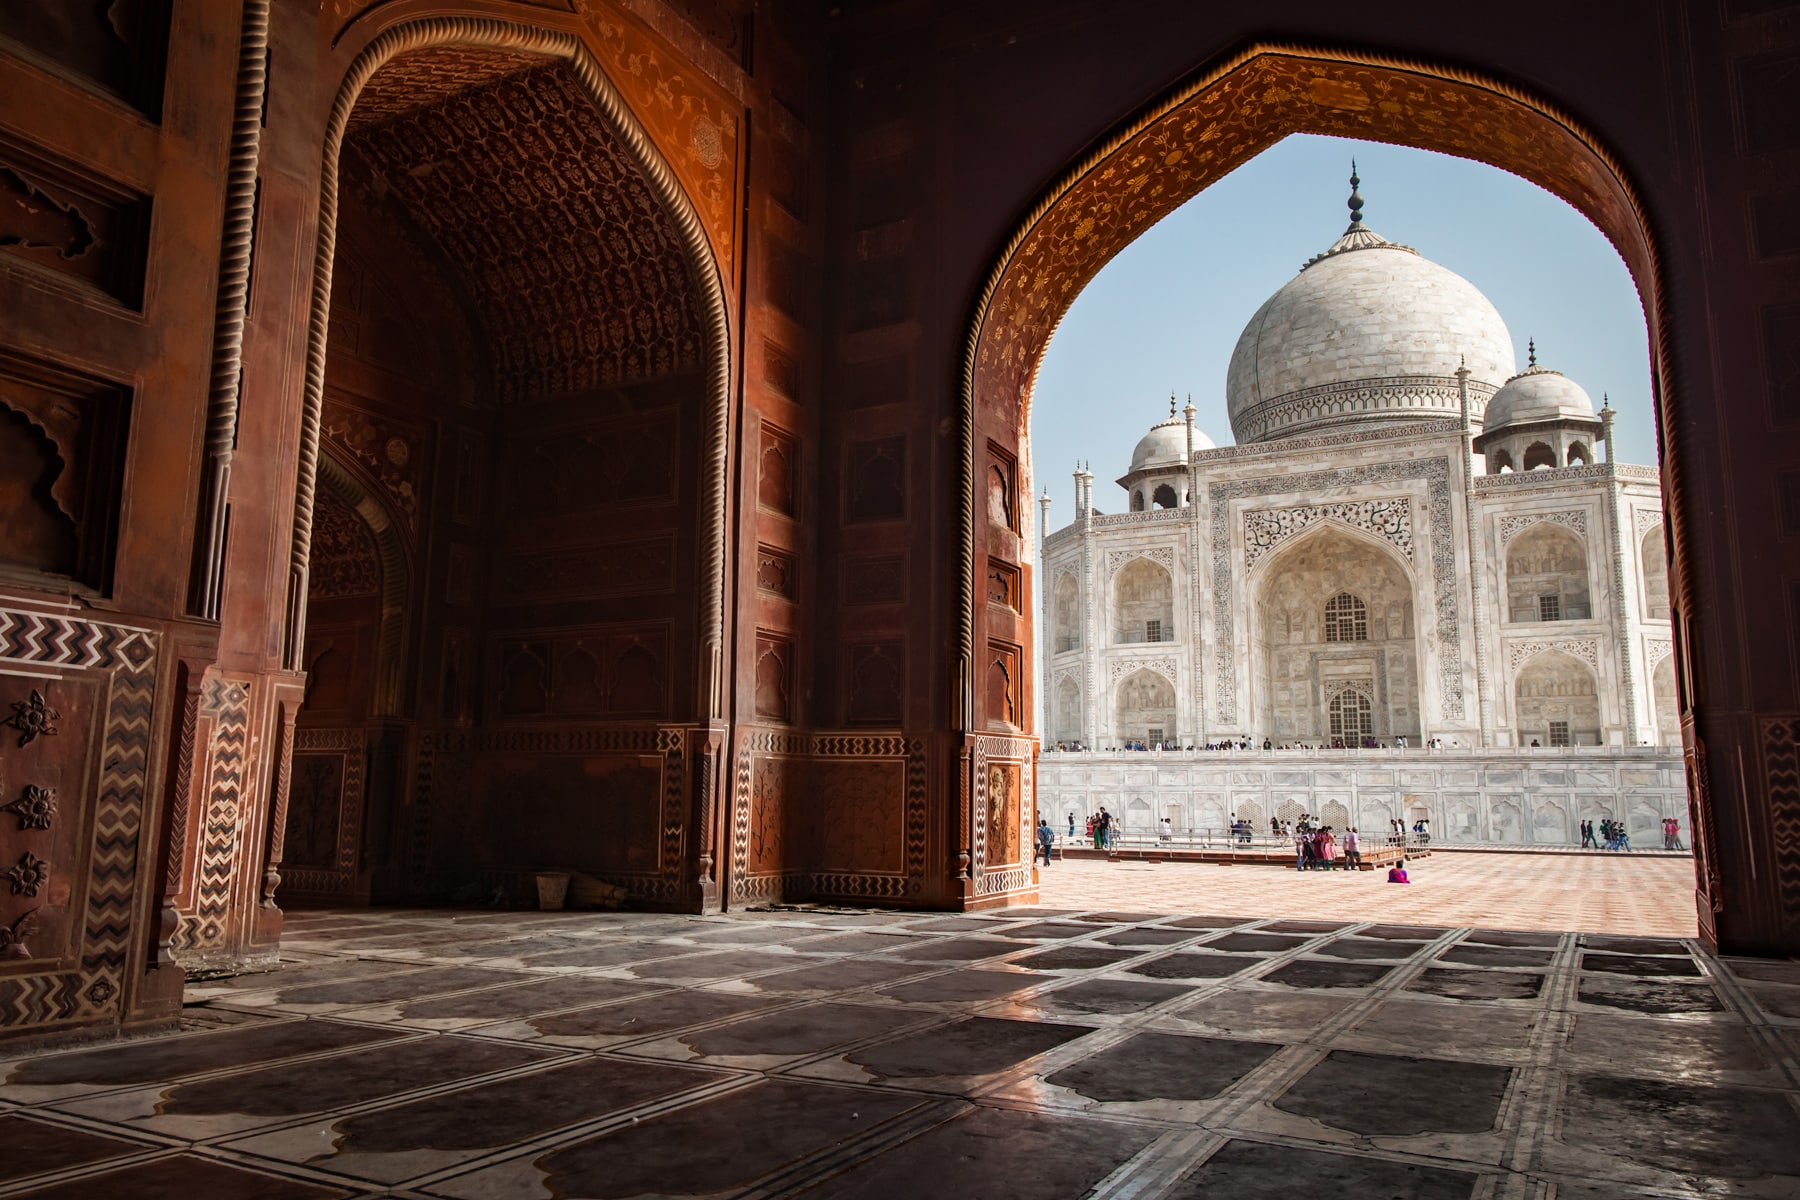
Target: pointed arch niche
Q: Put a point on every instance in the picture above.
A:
(1334, 629)
(532, 216)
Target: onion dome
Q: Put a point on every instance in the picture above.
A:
(1369, 333)
(1538, 394)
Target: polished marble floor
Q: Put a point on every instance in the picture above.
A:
(1594, 892)
(1044, 1053)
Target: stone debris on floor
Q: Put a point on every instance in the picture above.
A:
(1048, 1052)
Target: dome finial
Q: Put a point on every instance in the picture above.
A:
(1530, 353)
(1356, 200)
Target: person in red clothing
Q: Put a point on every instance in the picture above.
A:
(1397, 873)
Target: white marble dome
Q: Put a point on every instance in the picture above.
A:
(1369, 332)
(1538, 394)
(1166, 445)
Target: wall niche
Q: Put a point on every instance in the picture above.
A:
(62, 460)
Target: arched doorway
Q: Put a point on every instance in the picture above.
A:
(1556, 702)
(1335, 641)
(1143, 603)
(1144, 704)
(518, 338)
(1547, 575)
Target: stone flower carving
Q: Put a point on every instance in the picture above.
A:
(33, 718)
(12, 937)
(34, 808)
(28, 875)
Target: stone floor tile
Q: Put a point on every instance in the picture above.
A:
(837, 976)
(1047, 1156)
(1683, 1129)
(1050, 930)
(1642, 965)
(1244, 1170)
(978, 1046)
(33, 1147)
(1710, 1051)
(1495, 956)
(1316, 973)
(1197, 966)
(1255, 942)
(771, 1039)
(1108, 996)
(1661, 996)
(1482, 1033)
(172, 1057)
(1264, 1016)
(1392, 1096)
(1162, 1066)
(396, 1143)
(1478, 985)
(186, 1177)
(665, 1011)
(1074, 958)
(249, 1099)
(959, 986)
(1363, 949)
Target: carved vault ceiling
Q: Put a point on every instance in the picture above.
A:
(502, 161)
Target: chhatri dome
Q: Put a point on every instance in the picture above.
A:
(1167, 443)
(1368, 334)
(1538, 394)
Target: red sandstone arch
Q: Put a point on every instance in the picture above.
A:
(700, 259)
(1193, 136)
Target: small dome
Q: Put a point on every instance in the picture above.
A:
(1369, 332)
(1166, 444)
(1538, 394)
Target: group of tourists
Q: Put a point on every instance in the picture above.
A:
(1319, 849)
(1610, 835)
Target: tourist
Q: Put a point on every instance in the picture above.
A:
(1352, 850)
(1397, 873)
(1045, 839)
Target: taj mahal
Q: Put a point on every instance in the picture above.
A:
(1412, 543)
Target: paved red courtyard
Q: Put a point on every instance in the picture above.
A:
(1591, 893)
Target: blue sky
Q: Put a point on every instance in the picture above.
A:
(1165, 314)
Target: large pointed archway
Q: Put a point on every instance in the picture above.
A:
(1194, 135)
(558, 462)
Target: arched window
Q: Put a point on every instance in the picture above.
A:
(1500, 462)
(1351, 717)
(1164, 496)
(1137, 502)
(1538, 455)
(1578, 455)
(1346, 619)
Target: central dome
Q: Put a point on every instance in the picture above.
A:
(1369, 333)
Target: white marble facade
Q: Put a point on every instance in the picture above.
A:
(1408, 540)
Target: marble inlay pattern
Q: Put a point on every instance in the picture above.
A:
(439, 1055)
